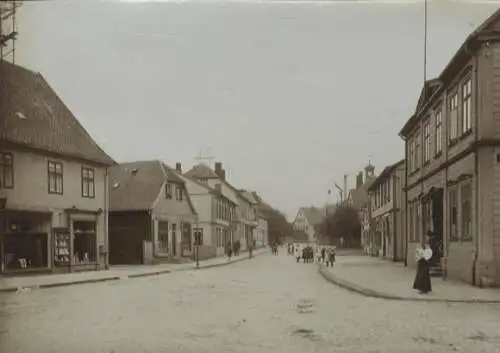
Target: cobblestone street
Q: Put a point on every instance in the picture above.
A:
(269, 304)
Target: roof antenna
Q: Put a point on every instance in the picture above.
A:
(202, 157)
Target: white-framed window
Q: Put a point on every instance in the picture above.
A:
(168, 191)
(439, 131)
(88, 182)
(6, 171)
(466, 106)
(178, 193)
(411, 164)
(220, 240)
(55, 176)
(416, 156)
(453, 109)
(427, 141)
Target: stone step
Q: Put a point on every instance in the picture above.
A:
(436, 271)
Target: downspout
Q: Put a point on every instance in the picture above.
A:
(106, 218)
(476, 164)
(152, 231)
(406, 203)
(394, 220)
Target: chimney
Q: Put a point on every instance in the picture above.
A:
(223, 175)
(345, 186)
(218, 169)
(178, 167)
(359, 180)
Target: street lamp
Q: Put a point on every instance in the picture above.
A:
(197, 242)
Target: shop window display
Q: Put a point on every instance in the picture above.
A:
(24, 246)
(84, 243)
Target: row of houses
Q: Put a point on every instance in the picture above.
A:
(66, 205)
(447, 186)
(448, 183)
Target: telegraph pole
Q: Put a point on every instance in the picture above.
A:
(8, 28)
(425, 48)
(201, 157)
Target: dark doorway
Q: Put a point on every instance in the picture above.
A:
(174, 239)
(437, 225)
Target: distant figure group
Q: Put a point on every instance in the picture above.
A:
(324, 254)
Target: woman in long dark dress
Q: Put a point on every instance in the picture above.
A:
(422, 281)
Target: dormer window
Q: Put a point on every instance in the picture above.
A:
(178, 193)
(168, 191)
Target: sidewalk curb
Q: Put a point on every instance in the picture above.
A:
(115, 278)
(380, 295)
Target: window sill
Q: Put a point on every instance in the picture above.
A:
(439, 154)
(466, 134)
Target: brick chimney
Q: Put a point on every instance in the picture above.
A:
(223, 178)
(219, 171)
(359, 180)
(178, 167)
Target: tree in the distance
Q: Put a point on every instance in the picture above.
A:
(343, 223)
(277, 225)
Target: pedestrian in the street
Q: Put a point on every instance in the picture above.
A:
(318, 255)
(297, 253)
(331, 257)
(323, 254)
(229, 251)
(422, 281)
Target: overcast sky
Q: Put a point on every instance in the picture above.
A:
(288, 96)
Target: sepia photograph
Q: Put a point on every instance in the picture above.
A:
(249, 176)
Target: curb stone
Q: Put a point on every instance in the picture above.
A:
(115, 278)
(380, 295)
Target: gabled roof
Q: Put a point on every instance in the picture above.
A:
(428, 89)
(32, 115)
(201, 171)
(135, 186)
(489, 28)
(385, 174)
(312, 214)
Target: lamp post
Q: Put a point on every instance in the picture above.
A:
(249, 241)
(197, 242)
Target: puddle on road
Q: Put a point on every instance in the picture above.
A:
(305, 306)
(305, 333)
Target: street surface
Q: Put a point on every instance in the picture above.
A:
(268, 304)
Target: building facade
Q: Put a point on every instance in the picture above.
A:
(216, 204)
(306, 221)
(236, 231)
(151, 214)
(387, 217)
(453, 162)
(53, 182)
